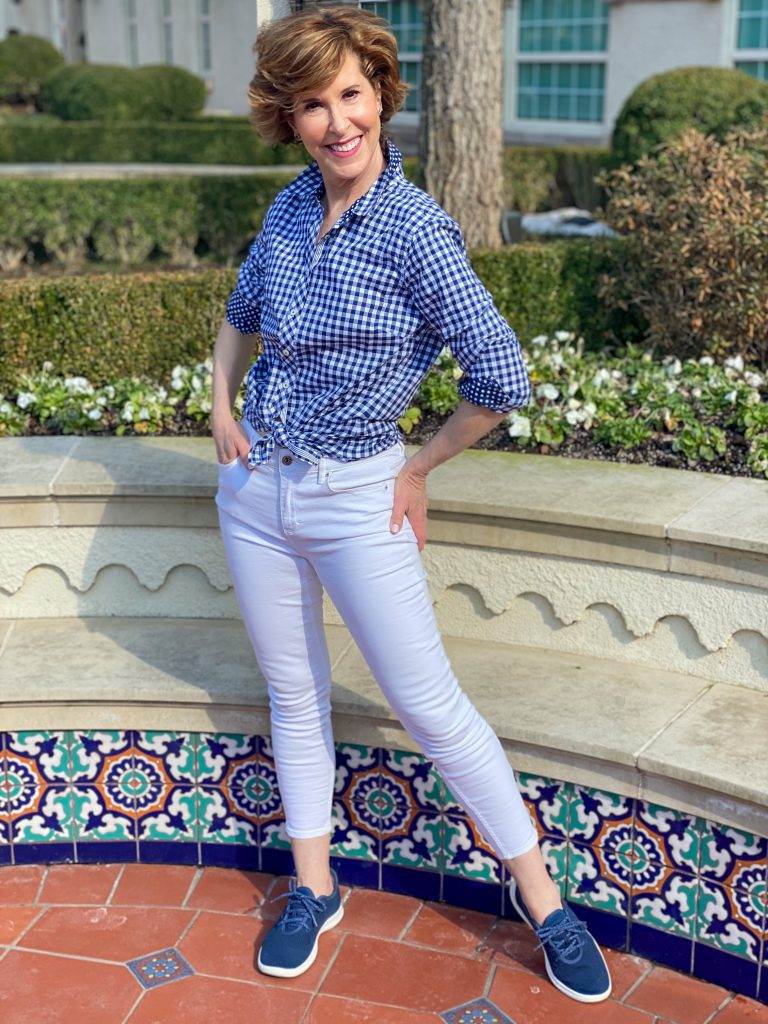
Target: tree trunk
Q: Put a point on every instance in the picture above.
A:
(460, 143)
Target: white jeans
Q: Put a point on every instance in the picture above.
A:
(290, 529)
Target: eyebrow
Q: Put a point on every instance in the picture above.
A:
(346, 88)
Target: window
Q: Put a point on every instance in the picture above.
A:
(559, 87)
(206, 62)
(132, 25)
(405, 20)
(167, 28)
(752, 35)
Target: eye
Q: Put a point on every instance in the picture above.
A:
(349, 92)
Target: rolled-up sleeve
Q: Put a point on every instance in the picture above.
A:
(244, 302)
(453, 300)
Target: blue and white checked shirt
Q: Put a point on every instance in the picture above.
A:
(351, 325)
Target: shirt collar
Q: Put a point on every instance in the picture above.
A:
(309, 184)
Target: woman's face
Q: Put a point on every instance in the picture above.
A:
(348, 109)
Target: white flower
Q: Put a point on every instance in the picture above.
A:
(457, 372)
(753, 398)
(177, 384)
(24, 398)
(47, 366)
(564, 335)
(162, 394)
(94, 414)
(109, 391)
(730, 396)
(601, 376)
(573, 387)
(670, 386)
(127, 413)
(78, 385)
(540, 339)
(143, 413)
(736, 362)
(519, 426)
(574, 403)
(707, 361)
(696, 392)
(574, 416)
(4, 408)
(556, 359)
(177, 371)
(547, 391)
(590, 408)
(672, 369)
(196, 383)
(755, 380)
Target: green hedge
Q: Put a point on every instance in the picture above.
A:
(106, 325)
(25, 60)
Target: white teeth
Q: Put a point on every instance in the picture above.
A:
(345, 149)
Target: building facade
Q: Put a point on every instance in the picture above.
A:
(569, 65)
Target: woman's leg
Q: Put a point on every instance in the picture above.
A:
(281, 601)
(378, 584)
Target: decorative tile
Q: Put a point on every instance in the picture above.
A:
(670, 837)
(37, 757)
(218, 818)
(596, 880)
(548, 802)
(270, 804)
(39, 812)
(479, 1011)
(98, 756)
(218, 759)
(597, 817)
(5, 827)
(730, 919)
(665, 898)
(158, 969)
(354, 831)
(357, 772)
(466, 852)
(732, 857)
(104, 814)
(412, 839)
(410, 779)
(169, 813)
(735, 973)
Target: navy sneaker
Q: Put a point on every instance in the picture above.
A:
(290, 946)
(574, 961)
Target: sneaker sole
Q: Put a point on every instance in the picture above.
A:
(292, 972)
(594, 997)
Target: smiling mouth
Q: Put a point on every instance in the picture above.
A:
(355, 139)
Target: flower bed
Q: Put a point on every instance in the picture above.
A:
(626, 405)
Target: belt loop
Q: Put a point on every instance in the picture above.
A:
(320, 469)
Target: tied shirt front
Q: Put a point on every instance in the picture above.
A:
(350, 324)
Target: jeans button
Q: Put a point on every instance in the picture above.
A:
(287, 460)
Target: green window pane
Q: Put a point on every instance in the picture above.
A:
(545, 105)
(524, 105)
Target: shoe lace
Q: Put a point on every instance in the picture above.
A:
(299, 912)
(566, 936)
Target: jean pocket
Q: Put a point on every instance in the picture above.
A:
(228, 465)
(373, 472)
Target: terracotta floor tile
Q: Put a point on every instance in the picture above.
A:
(367, 912)
(532, 1000)
(156, 885)
(63, 990)
(625, 969)
(336, 1010)
(677, 996)
(199, 1000)
(79, 883)
(451, 928)
(741, 1010)
(391, 972)
(227, 945)
(20, 884)
(107, 933)
(14, 920)
(230, 890)
(512, 944)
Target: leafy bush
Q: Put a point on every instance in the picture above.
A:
(110, 92)
(89, 92)
(711, 99)
(695, 218)
(25, 60)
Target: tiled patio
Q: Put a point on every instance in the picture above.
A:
(146, 944)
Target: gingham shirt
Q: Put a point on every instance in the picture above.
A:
(351, 325)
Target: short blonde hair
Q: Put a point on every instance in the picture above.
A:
(302, 53)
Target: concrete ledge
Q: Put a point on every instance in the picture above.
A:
(658, 736)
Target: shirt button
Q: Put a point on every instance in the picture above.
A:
(287, 460)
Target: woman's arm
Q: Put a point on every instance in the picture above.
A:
(232, 354)
(467, 424)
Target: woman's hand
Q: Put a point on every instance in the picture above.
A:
(230, 440)
(411, 500)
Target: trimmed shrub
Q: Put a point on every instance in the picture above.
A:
(664, 105)
(107, 325)
(89, 92)
(25, 60)
(695, 218)
(170, 93)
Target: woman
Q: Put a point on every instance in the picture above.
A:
(355, 282)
